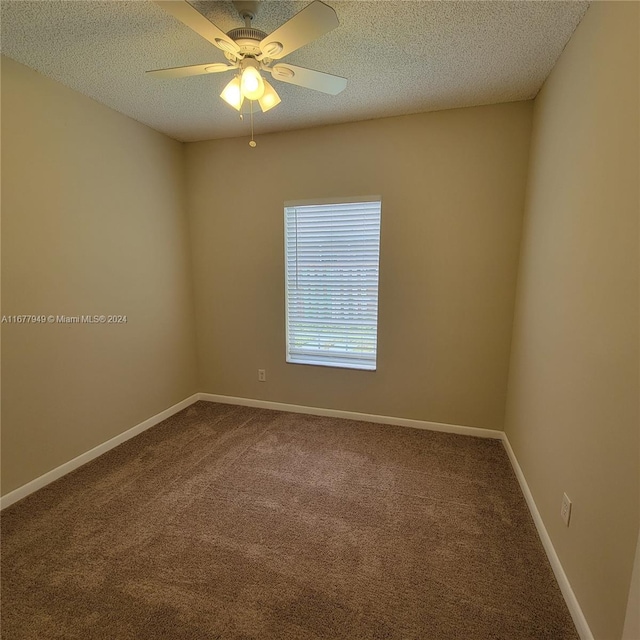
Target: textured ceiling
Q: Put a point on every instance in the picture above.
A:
(399, 57)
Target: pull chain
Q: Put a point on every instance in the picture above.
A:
(252, 142)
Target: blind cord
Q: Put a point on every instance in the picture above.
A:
(252, 142)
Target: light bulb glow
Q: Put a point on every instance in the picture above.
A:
(270, 98)
(232, 95)
(252, 84)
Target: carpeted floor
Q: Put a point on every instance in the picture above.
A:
(233, 523)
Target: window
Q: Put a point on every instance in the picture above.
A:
(332, 253)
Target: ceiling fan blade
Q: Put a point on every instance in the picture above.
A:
(193, 19)
(193, 70)
(312, 22)
(308, 78)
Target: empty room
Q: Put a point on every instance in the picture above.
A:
(320, 320)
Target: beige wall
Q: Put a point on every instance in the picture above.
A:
(572, 413)
(93, 222)
(452, 185)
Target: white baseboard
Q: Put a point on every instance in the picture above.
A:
(563, 582)
(67, 467)
(352, 415)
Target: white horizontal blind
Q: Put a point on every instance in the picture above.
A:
(332, 255)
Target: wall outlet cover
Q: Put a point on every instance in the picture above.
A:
(565, 509)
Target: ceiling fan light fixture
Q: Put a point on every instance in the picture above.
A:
(232, 94)
(252, 83)
(270, 98)
(251, 51)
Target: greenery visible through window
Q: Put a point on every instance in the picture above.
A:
(332, 255)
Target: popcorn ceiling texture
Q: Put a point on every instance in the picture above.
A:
(399, 57)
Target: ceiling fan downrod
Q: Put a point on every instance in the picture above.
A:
(248, 9)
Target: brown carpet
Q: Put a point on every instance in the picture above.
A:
(234, 523)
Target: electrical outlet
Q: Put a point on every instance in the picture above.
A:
(262, 375)
(565, 509)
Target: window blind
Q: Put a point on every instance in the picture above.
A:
(332, 256)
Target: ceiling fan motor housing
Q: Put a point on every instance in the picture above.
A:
(248, 39)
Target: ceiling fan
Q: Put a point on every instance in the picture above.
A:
(250, 51)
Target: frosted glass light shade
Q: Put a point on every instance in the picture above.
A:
(232, 94)
(252, 84)
(270, 98)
